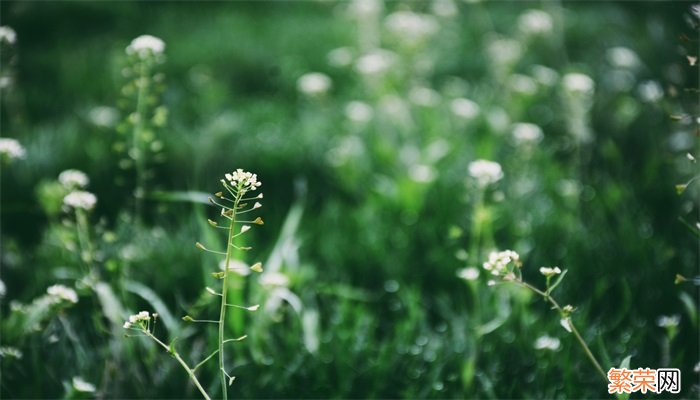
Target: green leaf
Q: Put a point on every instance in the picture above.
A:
(624, 365)
(171, 347)
(558, 281)
(681, 188)
(155, 301)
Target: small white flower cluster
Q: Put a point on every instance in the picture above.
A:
(79, 199)
(547, 343)
(11, 148)
(411, 27)
(8, 35)
(468, 274)
(137, 319)
(375, 62)
(525, 133)
(63, 293)
(314, 84)
(548, 272)
(242, 180)
(83, 386)
(73, 179)
(358, 111)
(668, 321)
(146, 45)
(485, 172)
(464, 108)
(499, 260)
(575, 82)
(535, 22)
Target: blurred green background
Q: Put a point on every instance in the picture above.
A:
(370, 212)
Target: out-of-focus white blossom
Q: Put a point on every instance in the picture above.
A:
(83, 386)
(146, 45)
(547, 343)
(522, 84)
(464, 108)
(468, 274)
(340, 57)
(73, 179)
(545, 75)
(359, 111)
(375, 62)
(63, 292)
(314, 84)
(535, 22)
(575, 82)
(11, 149)
(504, 51)
(498, 261)
(668, 321)
(365, 8)
(274, 279)
(8, 35)
(410, 27)
(79, 199)
(444, 8)
(485, 172)
(103, 116)
(424, 96)
(422, 173)
(622, 57)
(548, 271)
(650, 91)
(526, 133)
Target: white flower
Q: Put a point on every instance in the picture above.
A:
(546, 271)
(73, 179)
(535, 22)
(498, 261)
(103, 116)
(375, 62)
(650, 91)
(566, 324)
(622, 57)
(243, 181)
(146, 45)
(272, 279)
(245, 228)
(545, 75)
(3, 289)
(522, 84)
(422, 173)
(526, 133)
(137, 319)
(468, 274)
(547, 343)
(314, 84)
(82, 385)
(8, 35)
(8, 351)
(423, 96)
(464, 108)
(444, 8)
(578, 83)
(668, 321)
(365, 8)
(485, 172)
(63, 293)
(504, 51)
(11, 148)
(411, 27)
(358, 111)
(80, 199)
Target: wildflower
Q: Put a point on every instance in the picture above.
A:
(504, 51)
(274, 279)
(650, 91)
(566, 324)
(468, 274)
(358, 111)
(375, 62)
(485, 172)
(498, 261)
(11, 149)
(8, 35)
(578, 83)
(365, 8)
(137, 319)
(544, 75)
(535, 22)
(8, 351)
(73, 179)
(548, 272)
(63, 293)
(314, 84)
(622, 57)
(340, 57)
(146, 45)
(423, 96)
(547, 343)
(242, 180)
(464, 108)
(103, 116)
(79, 199)
(526, 133)
(81, 385)
(668, 321)
(411, 27)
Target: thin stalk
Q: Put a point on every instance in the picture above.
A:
(224, 292)
(583, 344)
(138, 131)
(84, 237)
(182, 362)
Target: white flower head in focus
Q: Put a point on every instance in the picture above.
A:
(79, 199)
(242, 181)
(146, 45)
(485, 172)
(498, 261)
(73, 179)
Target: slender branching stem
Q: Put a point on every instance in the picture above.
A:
(575, 331)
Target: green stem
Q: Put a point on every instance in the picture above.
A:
(182, 362)
(224, 292)
(583, 344)
(84, 237)
(139, 153)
